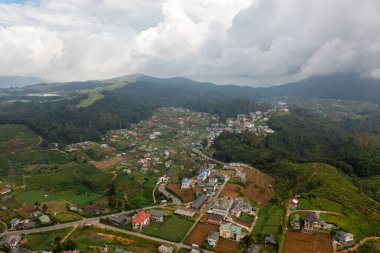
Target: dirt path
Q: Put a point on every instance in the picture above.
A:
(68, 234)
(112, 180)
(371, 238)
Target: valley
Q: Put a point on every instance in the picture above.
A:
(94, 190)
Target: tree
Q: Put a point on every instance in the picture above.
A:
(70, 245)
(44, 208)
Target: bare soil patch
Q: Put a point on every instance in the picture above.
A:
(259, 187)
(186, 194)
(231, 190)
(26, 211)
(199, 233)
(227, 246)
(106, 164)
(297, 242)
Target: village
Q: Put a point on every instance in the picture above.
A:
(189, 202)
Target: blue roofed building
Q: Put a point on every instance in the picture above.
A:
(185, 183)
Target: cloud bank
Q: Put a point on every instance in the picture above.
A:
(249, 41)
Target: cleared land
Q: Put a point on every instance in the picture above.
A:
(297, 242)
(106, 164)
(173, 229)
(259, 186)
(231, 190)
(227, 246)
(199, 233)
(95, 237)
(185, 194)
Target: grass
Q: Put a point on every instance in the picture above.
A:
(65, 217)
(354, 223)
(137, 188)
(183, 250)
(95, 237)
(30, 197)
(92, 98)
(43, 241)
(327, 188)
(173, 229)
(318, 180)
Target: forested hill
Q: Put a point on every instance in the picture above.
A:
(338, 86)
(85, 110)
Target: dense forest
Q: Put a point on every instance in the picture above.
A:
(63, 121)
(304, 137)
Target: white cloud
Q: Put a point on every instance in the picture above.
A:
(250, 40)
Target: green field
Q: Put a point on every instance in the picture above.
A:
(173, 229)
(354, 223)
(137, 188)
(67, 217)
(182, 250)
(92, 98)
(96, 237)
(30, 197)
(43, 241)
(20, 146)
(270, 221)
(320, 204)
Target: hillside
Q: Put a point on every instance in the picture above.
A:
(318, 181)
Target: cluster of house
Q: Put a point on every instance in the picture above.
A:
(227, 207)
(310, 223)
(253, 122)
(204, 182)
(11, 242)
(37, 217)
(224, 209)
(85, 145)
(5, 190)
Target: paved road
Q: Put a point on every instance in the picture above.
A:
(162, 189)
(205, 208)
(198, 152)
(69, 224)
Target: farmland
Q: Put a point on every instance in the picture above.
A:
(304, 243)
(320, 204)
(173, 229)
(31, 197)
(270, 221)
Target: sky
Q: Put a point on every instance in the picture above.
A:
(252, 42)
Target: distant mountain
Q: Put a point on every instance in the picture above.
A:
(338, 86)
(18, 81)
(176, 90)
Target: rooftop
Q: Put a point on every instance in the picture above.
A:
(231, 227)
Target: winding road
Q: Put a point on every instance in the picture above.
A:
(356, 246)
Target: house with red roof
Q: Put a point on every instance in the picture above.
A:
(5, 190)
(141, 220)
